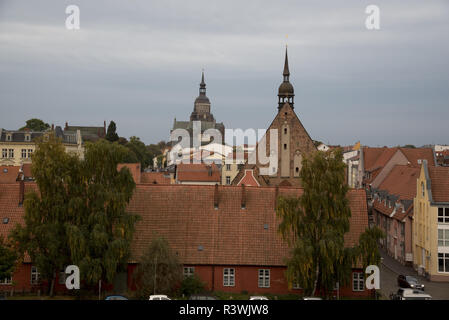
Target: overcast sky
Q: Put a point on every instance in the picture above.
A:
(139, 63)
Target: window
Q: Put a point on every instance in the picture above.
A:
(11, 153)
(6, 280)
(228, 167)
(422, 188)
(285, 130)
(264, 278)
(30, 152)
(4, 153)
(24, 153)
(443, 215)
(402, 229)
(358, 283)
(443, 237)
(8, 137)
(228, 180)
(27, 137)
(443, 262)
(228, 277)
(189, 271)
(62, 277)
(285, 146)
(34, 275)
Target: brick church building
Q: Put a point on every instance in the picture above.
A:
(293, 142)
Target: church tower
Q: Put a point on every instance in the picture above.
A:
(201, 108)
(286, 91)
(293, 143)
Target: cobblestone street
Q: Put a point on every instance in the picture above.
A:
(389, 271)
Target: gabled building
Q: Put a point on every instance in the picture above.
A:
(227, 235)
(392, 210)
(293, 143)
(431, 223)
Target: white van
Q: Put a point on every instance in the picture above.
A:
(411, 294)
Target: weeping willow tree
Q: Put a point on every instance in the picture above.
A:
(78, 214)
(315, 223)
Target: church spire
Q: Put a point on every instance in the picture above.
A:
(286, 91)
(286, 71)
(202, 85)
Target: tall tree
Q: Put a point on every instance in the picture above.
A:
(159, 270)
(44, 235)
(79, 216)
(367, 249)
(315, 223)
(8, 259)
(101, 234)
(36, 125)
(111, 134)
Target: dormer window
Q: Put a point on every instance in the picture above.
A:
(8, 137)
(27, 137)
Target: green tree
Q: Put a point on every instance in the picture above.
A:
(159, 270)
(8, 258)
(367, 250)
(315, 223)
(36, 125)
(192, 285)
(43, 236)
(79, 216)
(111, 134)
(101, 231)
(140, 150)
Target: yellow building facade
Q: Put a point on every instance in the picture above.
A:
(431, 223)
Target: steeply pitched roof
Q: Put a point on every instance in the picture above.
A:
(377, 157)
(401, 181)
(201, 234)
(8, 174)
(440, 183)
(415, 154)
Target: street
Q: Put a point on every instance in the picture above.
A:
(389, 271)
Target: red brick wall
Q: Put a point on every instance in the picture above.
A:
(246, 279)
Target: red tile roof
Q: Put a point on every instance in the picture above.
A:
(155, 178)
(440, 183)
(401, 181)
(198, 172)
(8, 174)
(186, 217)
(377, 157)
(415, 154)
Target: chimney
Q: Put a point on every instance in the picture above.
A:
(209, 171)
(21, 189)
(216, 196)
(243, 204)
(66, 125)
(52, 127)
(276, 195)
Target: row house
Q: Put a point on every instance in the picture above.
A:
(431, 223)
(227, 235)
(392, 211)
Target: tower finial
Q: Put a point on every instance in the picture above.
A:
(286, 70)
(202, 84)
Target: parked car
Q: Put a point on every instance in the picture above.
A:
(202, 297)
(258, 298)
(312, 298)
(159, 297)
(116, 297)
(410, 294)
(409, 282)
